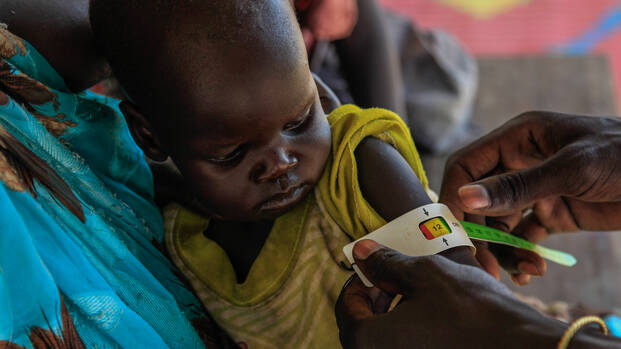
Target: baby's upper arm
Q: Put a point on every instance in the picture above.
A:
(386, 179)
(392, 188)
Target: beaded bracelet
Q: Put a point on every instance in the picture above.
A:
(576, 326)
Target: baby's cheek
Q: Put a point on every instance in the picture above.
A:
(234, 201)
(320, 146)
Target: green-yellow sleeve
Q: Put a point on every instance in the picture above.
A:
(338, 187)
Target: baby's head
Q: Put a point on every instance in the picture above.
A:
(223, 87)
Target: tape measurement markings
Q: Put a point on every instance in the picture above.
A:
(481, 232)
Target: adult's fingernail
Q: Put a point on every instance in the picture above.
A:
(364, 248)
(542, 268)
(474, 196)
(528, 268)
(520, 279)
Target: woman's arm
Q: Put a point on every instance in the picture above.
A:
(456, 306)
(371, 63)
(564, 168)
(392, 188)
(61, 32)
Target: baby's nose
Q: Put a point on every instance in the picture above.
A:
(277, 165)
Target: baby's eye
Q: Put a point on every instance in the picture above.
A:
(229, 159)
(299, 125)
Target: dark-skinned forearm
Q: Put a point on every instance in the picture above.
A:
(370, 61)
(547, 332)
(594, 341)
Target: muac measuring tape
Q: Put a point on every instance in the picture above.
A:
(432, 228)
(483, 233)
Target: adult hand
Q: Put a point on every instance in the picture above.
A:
(445, 305)
(563, 167)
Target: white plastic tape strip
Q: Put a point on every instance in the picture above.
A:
(424, 231)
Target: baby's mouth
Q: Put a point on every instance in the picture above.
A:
(285, 199)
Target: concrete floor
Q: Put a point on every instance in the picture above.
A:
(572, 84)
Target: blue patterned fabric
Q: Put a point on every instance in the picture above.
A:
(102, 282)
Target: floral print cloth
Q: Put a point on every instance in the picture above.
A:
(80, 238)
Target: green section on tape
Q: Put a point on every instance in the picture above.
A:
(481, 232)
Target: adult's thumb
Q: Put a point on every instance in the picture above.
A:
(505, 193)
(388, 269)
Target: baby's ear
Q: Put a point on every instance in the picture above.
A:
(142, 131)
(329, 100)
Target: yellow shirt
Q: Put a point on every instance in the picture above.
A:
(288, 298)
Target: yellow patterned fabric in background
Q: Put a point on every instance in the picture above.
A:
(484, 9)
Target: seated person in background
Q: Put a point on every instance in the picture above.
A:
(424, 76)
(223, 87)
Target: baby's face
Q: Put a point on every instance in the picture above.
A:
(235, 106)
(260, 150)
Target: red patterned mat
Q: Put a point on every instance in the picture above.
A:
(525, 27)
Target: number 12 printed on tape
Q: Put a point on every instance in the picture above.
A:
(433, 228)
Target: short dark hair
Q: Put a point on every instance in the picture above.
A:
(135, 36)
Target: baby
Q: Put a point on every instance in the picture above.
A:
(223, 88)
